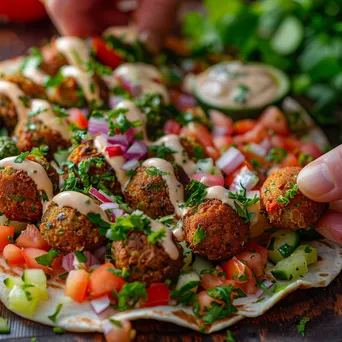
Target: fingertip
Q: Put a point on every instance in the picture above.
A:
(330, 226)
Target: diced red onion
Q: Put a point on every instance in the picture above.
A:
(130, 165)
(220, 131)
(114, 100)
(97, 125)
(101, 196)
(68, 262)
(100, 253)
(208, 179)
(245, 178)
(184, 101)
(91, 260)
(172, 127)
(119, 139)
(133, 89)
(115, 150)
(107, 206)
(230, 160)
(118, 212)
(100, 304)
(137, 150)
(266, 144)
(107, 327)
(257, 149)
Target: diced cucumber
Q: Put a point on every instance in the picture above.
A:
(310, 253)
(24, 299)
(205, 165)
(201, 264)
(281, 244)
(186, 278)
(61, 156)
(4, 329)
(290, 268)
(36, 277)
(11, 281)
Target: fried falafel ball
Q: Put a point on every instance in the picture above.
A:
(222, 232)
(8, 113)
(147, 191)
(285, 206)
(66, 229)
(53, 60)
(20, 200)
(90, 168)
(145, 261)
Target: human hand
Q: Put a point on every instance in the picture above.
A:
(155, 18)
(321, 181)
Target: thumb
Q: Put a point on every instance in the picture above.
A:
(155, 19)
(321, 180)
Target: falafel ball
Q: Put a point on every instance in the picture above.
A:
(66, 229)
(285, 206)
(215, 231)
(148, 192)
(99, 170)
(53, 60)
(20, 200)
(8, 113)
(145, 261)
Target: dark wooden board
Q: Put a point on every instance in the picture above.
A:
(322, 305)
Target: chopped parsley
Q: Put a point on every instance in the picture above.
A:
(80, 256)
(58, 330)
(304, 159)
(32, 113)
(97, 219)
(167, 220)
(54, 81)
(240, 93)
(154, 171)
(308, 249)
(93, 67)
(38, 152)
(199, 235)
(196, 192)
(34, 59)
(291, 193)
(25, 100)
(123, 273)
(53, 317)
(186, 294)
(230, 337)
(130, 294)
(301, 325)
(276, 155)
(161, 151)
(48, 258)
(156, 236)
(115, 322)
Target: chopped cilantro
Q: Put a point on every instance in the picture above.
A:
(230, 337)
(199, 235)
(93, 67)
(260, 299)
(54, 81)
(34, 59)
(154, 171)
(186, 294)
(53, 317)
(97, 219)
(115, 322)
(301, 325)
(32, 113)
(156, 236)
(63, 276)
(80, 256)
(58, 330)
(123, 273)
(196, 193)
(161, 151)
(291, 193)
(304, 159)
(167, 220)
(276, 155)
(130, 294)
(48, 258)
(22, 156)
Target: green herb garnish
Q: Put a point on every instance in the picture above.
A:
(53, 317)
(291, 193)
(199, 235)
(301, 325)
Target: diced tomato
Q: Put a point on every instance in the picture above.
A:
(311, 149)
(12, 255)
(172, 127)
(105, 54)
(78, 118)
(205, 301)
(102, 281)
(209, 281)
(222, 142)
(212, 152)
(76, 285)
(256, 135)
(243, 126)
(273, 118)
(201, 133)
(253, 262)
(277, 141)
(30, 254)
(120, 333)
(252, 157)
(31, 237)
(220, 119)
(253, 246)
(208, 179)
(291, 144)
(290, 160)
(114, 151)
(6, 234)
(157, 294)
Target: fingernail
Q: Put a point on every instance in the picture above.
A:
(151, 40)
(315, 180)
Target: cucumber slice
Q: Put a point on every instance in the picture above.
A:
(205, 165)
(290, 268)
(186, 278)
(37, 278)
(11, 281)
(4, 329)
(24, 299)
(281, 245)
(310, 253)
(288, 36)
(201, 264)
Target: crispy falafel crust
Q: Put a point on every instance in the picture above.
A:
(226, 234)
(300, 213)
(67, 230)
(145, 261)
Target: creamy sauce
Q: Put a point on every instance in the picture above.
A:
(116, 162)
(128, 34)
(220, 193)
(223, 83)
(34, 74)
(80, 202)
(176, 190)
(178, 232)
(167, 242)
(35, 171)
(142, 75)
(181, 157)
(48, 117)
(74, 49)
(134, 114)
(90, 89)
(14, 93)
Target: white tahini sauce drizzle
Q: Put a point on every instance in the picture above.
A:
(220, 193)
(167, 242)
(34, 74)
(35, 171)
(178, 232)
(134, 114)
(82, 203)
(14, 93)
(172, 141)
(128, 34)
(48, 117)
(90, 89)
(74, 49)
(116, 162)
(176, 190)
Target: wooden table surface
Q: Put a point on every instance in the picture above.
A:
(323, 305)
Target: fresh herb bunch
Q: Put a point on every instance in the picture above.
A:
(303, 38)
